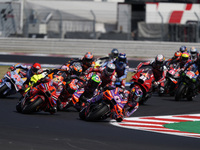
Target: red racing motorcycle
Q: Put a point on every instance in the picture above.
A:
(42, 97)
(143, 80)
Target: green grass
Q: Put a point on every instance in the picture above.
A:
(3, 70)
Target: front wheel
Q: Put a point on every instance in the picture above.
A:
(181, 92)
(97, 112)
(32, 106)
(3, 89)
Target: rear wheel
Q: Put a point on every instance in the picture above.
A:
(97, 112)
(32, 107)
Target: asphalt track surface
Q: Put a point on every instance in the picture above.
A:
(65, 131)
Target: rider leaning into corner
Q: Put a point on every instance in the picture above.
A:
(174, 60)
(86, 62)
(107, 75)
(159, 71)
(194, 63)
(57, 82)
(112, 56)
(35, 69)
(130, 107)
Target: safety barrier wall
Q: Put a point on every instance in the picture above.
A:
(147, 49)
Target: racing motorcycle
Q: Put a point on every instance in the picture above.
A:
(12, 82)
(111, 103)
(187, 87)
(81, 97)
(171, 80)
(42, 97)
(72, 84)
(142, 80)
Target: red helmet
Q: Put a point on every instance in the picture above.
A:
(177, 54)
(36, 68)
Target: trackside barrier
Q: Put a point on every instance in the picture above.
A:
(140, 49)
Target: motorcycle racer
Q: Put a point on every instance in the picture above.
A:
(57, 82)
(184, 61)
(30, 70)
(103, 61)
(194, 54)
(130, 107)
(174, 60)
(159, 71)
(88, 91)
(86, 62)
(121, 64)
(107, 74)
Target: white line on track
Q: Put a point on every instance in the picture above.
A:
(155, 124)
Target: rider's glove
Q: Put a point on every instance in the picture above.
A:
(156, 84)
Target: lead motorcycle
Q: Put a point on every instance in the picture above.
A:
(143, 80)
(44, 98)
(187, 87)
(108, 105)
(12, 82)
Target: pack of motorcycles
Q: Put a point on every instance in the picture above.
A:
(181, 85)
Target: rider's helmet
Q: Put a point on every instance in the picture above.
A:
(77, 69)
(94, 82)
(88, 59)
(57, 80)
(122, 57)
(184, 57)
(121, 62)
(159, 61)
(109, 69)
(36, 68)
(135, 94)
(114, 53)
(193, 53)
(183, 49)
(177, 55)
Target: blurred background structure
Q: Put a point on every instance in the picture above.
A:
(153, 20)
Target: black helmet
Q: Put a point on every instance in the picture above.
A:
(114, 53)
(110, 68)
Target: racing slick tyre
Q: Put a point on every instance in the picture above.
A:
(2, 90)
(97, 112)
(18, 106)
(181, 91)
(32, 107)
(82, 114)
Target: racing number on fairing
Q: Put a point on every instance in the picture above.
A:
(17, 77)
(51, 91)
